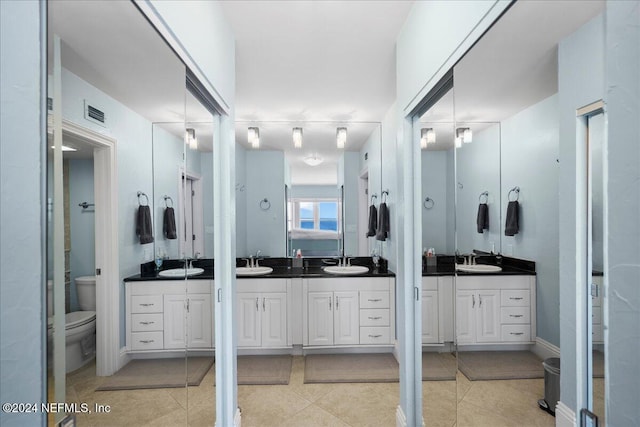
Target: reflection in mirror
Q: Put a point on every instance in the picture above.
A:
(323, 208)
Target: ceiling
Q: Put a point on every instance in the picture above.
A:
(513, 66)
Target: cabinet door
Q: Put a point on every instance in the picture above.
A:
(320, 308)
(249, 328)
(174, 321)
(199, 323)
(488, 320)
(346, 318)
(466, 317)
(274, 319)
(430, 317)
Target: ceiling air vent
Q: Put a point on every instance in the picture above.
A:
(94, 114)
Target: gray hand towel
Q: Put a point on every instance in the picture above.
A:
(383, 222)
(143, 225)
(512, 225)
(373, 221)
(169, 224)
(482, 220)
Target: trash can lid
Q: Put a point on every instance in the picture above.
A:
(552, 365)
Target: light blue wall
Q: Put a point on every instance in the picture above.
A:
(241, 201)
(389, 181)
(206, 169)
(314, 191)
(436, 173)
(580, 82)
(82, 257)
(133, 134)
(266, 229)
(530, 149)
(478, 170)
(622, 299)
(351, 175)
(22, 294)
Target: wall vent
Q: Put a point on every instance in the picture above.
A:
(93, 114)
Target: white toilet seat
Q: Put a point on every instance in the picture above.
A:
(78, 318)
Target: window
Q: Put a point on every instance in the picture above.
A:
(314, 214)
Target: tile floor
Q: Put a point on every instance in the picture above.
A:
(480, 403)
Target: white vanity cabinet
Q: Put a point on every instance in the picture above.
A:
(495, 309)
(437, 310)
(262, 313)
(348, 311)
(169, 315)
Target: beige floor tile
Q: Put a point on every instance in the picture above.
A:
(268, 405)
(362, 404)
(202, 415)
(470, 415)
(439, 403)
(313, 416)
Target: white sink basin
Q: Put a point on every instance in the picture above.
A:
(181, 272)
(253, 271)
(479, 268)
(350, 269)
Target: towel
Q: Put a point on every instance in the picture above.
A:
(143, 225)
(169, 224)
(383, 222)
(483, 217)
(512, 225)
(373, 221)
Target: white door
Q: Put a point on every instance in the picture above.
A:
(346, 318)
(488, 320)
(466, 317)
(199, 323)
(249, 329)
(174, 321)
(320, 305)
(430, 326)
(274, 319)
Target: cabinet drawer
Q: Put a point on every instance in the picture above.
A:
(515, 298)
(146, 303)
(597, 334)
(596, 315)
(374, 335)
(510, 315)
(146, 322)
(374, 317)
(516, 333)
(147, 340)
(374, 299)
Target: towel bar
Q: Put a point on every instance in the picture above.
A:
(265, 204)
(514, 190)
(486, 194)
(165, 201)
(140, 193)
(385, 194)
(429, 203)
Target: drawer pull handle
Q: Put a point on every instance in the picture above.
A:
(146, 341)
(147, 323)
(374, 336)
(516, 298)
(375, 318)
(515, 315)
(148, 304)
(375, 300)
(516, 333)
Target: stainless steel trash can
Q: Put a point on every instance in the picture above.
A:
(551, 385)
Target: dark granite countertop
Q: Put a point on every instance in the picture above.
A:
(282, 268)
(445, 266)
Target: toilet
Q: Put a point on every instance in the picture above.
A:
(80, 326)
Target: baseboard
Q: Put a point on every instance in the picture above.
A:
(565, 417)
(544, 349)
(401, 420)
(495, 347)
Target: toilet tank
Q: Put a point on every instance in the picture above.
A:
(86, 288)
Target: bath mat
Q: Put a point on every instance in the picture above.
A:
(500, 365)
(438, 366)
(350, 368)
(264, 370)
(158, 373)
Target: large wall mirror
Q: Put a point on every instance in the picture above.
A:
(120, 96)
(298, 189)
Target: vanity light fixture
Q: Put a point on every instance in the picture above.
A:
(464, 135)
(297, 137)
(253, 137)
(313, 160)
(192, 141)
(427, 136)
(341, 137)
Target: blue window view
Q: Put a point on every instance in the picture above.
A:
(328, 215)
(307, 224)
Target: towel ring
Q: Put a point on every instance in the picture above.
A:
(373, 196)
(486, 195)
(140, 193)
(385, 194)
(517, 191)
(166, 203)
(429, 203)
(265, 204)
